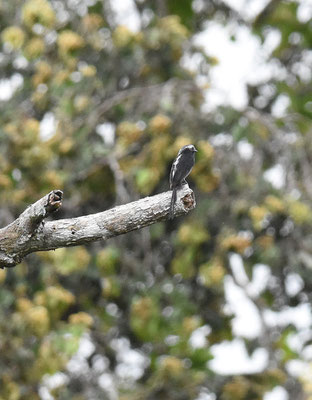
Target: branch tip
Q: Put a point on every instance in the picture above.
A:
(189, 201)
(54, 201)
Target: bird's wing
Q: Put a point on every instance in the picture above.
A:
(174, 170)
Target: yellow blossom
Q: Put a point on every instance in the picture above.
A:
(43, 74)
(23, 304)
(2, 274)
(300, 212)
(34, 48)
(38, 11)
(205, 149)
(69, 41)
(5, 181)
(31, 128)
(237, 243)
(38, 320)
(189, 324)
(160, 124)
(183, 263)
(122, 36)
(107, 259)
(128, 132)
(171, 367)
(61, 77)
(88, 70)
(212, 273)
(143, 308)
(265, 241)
(81, 102)
(55, 298)
(40, 99)
(53, 178)
(70, 260)
(10, 389)
(14, 36)
(81, 318)
(66, 145)
(92, 22)
(111, 287)
(194, 234)
(236, 389)
(274, 204)
(206, 179)
(171, 26)
(258, 215)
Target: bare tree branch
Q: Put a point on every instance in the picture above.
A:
(29, 233)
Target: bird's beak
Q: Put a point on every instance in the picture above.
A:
(195, 150)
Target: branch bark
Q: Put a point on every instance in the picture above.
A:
(30, 233)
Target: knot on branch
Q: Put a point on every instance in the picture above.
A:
(189, 201)
(15, 239)
(54, 201)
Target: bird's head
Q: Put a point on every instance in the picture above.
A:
(189, 148)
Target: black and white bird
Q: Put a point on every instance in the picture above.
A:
(181, 167)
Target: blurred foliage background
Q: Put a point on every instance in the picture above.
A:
(100, 111)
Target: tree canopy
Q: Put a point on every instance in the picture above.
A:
(99, 111)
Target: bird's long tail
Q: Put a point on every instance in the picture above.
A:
(172, 203)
